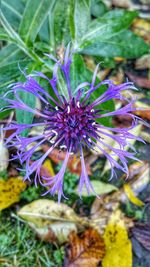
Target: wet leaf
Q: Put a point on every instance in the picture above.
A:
(100, 188)
(10, 191)
(118, 246)
(50, 220)
(85, 250)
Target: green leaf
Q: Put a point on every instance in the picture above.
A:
(99, 187)
(79, 18)
(5, 114)
(3, 35)
(12, 10)
(10, 72)
(34, 16)
(20, 43)
(23, 116)
(124, 44)
(108, 26)
(10, 53)
(59, 23)
(78, 72)
(44, 33)
(98, 8)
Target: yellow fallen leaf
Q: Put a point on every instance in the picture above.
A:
(131, 196)
(50, 220)
(141, 27)
(10, 191)
(118, 246)
(48, 165)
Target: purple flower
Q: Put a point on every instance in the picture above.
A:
(70, 124)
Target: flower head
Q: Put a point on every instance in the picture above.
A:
(70, 123)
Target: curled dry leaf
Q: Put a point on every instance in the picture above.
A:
(50, 220)
(86, 250)
(142, 233)
(118, 246)
(10, 191)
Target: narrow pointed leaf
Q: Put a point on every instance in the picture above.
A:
(34, 16)
(79, 18)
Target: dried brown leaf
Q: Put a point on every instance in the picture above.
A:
(139, 81)
(86, 250)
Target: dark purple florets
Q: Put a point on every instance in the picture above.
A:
(70, 124)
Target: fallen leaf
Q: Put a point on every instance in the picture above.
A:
(103, 207)
(142, 233)
(86, 250)
(139, 81)
(118, 246)
(47, 169)
(136, 169)
(119, 76)
(99, 187)
(143, 62)
(108, 140)
(51, 221)
(122, 3)
(74, 164)
(10, 191)
(136, 131)
(141, 27)
(144, 114)
(130, 194)
(146, 135)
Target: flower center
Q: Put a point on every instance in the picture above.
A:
(73, 123)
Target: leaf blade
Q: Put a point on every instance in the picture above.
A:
(34, 16)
